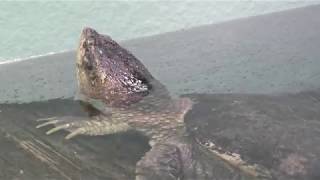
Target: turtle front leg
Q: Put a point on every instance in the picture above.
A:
(162, 162)
(93, 126)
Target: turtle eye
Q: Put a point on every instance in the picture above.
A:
(89, 66)
(90, 42)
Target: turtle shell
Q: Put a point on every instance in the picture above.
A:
(271, 135)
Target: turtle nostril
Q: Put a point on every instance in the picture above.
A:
(90, 67)
(88, 30)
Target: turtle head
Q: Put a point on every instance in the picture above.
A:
(108, 72)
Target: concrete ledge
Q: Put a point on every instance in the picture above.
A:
(271, 53)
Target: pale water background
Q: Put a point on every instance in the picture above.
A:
(35, 28)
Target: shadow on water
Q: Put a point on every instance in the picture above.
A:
(28, 153)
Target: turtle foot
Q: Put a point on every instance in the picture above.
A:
(162, 162)
(82, 126)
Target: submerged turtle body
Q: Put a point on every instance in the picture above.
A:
(278, 133)
(186, 143)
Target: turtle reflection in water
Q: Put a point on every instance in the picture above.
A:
(197, 136)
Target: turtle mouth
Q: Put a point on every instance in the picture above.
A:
(86, 44)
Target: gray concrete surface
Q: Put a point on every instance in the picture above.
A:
(272, 53)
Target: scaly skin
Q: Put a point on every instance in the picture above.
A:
(116, 83)
(127, 97)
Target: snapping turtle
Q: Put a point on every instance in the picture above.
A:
(120, 94)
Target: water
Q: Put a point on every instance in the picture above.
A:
(35, 28)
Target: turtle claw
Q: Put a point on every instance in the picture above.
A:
(75, 133)
(47, 123)
(63, 126)
(46, 119)
(82, 126)
(74, 125)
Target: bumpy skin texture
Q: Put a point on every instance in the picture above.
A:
(118, 85)
(108, 72)
(126, 96)
(111, 74)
